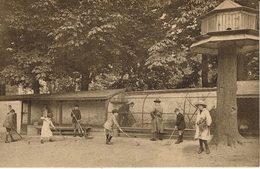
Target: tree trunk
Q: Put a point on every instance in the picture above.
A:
(2, 90)
(226, 117)
(85, 80)
(204, 72)
(36, 87)
(240, 68)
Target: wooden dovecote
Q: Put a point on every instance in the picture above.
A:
(229, 16)
(228, 22)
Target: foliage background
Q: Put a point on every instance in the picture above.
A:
(103, 44)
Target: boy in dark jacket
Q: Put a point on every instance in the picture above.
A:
(179, 125)
(76, 117)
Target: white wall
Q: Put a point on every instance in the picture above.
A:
(92, 112)
(169, 101)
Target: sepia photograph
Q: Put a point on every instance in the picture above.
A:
(129, 83)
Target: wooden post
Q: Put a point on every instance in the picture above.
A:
(106, 107)
(29, 112)
(60, 113)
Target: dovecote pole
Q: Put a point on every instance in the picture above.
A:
(228, 31)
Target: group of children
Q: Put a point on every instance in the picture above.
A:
(47, 123)
(203, 122)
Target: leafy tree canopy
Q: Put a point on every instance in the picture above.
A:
(134, 44)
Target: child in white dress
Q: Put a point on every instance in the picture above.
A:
(46, 131)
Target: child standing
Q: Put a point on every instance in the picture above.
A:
(9, 124)
(203, 122)
(46, 131)
(109, 126)
(179, 125)
(76, 117)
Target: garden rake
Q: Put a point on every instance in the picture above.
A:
(168, 143)
(137, 143)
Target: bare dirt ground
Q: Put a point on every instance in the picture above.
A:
(81, 152)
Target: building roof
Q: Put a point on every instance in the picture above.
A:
(82, 95)
(245, 89)
(183, 90)
(227, 4)
(247, 40)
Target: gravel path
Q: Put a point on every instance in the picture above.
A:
(80, 152)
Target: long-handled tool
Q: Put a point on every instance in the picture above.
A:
(83, 132)
(60, 134)
(137, 143)
(17, 132)
(168, 143)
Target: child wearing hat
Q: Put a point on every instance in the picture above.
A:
(46, 131)
(9, 124)
(108, 126)
(179, 125)
(202, 123)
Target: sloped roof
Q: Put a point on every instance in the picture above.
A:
(246, 39)
(227, 4)
(82, 95)
(245, 89)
